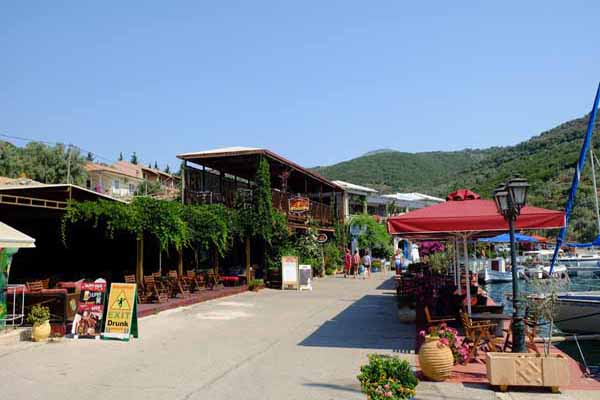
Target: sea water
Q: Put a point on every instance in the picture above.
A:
(590, 349)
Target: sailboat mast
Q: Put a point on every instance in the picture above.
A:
(595, 190)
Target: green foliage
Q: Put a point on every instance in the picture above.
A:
(309, 250)
(144, 215)
(332, 256)
(256, 284)
(546, 160)
(43, 163)
(263, 201)
(134, 158)
(147, 188)
(38, 315)
(439, 261)
(280, 241)
(386, 377)
(208, 227)
(375, 236)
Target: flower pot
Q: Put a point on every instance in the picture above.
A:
(40, 331)
(435, 359)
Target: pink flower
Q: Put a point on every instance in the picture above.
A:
(422, 333)
(386, 386)
(388, 394)
(444, 341)
(443, 325)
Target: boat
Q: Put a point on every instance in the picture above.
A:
(578, 312)
(491, 276)
(559, 271)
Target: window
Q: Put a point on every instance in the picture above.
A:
(115, 184)
(131, 188)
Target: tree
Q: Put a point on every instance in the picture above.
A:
(90, 157)
(43, 163)
(134, 159)
(167, 169)
(121, 156)
(149, 165)
(155, 165)
(263, 201)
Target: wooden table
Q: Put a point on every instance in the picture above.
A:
(494, 318)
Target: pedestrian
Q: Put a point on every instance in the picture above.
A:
(398, 261)
(347, 263)
(355, 263)
(367, 264)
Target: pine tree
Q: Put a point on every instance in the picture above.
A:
(167, 169)
(90, 157)
(149, 165)
(134, 159)
(155, 165)
(121, 156)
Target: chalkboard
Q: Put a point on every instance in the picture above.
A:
(289, 272)
(305, 274)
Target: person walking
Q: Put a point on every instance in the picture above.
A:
(367, 264)
(347, 263)
(355, 263)
(398, 261)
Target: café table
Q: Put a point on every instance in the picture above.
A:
(493, 318)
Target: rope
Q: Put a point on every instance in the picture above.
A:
(587, 369)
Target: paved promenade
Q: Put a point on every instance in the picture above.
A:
(272, 345)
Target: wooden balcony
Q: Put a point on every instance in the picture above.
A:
(318, 213)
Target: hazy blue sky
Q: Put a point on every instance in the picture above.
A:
(316, 81)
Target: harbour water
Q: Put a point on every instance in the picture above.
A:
(590, 349)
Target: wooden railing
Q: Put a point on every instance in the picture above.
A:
(319, 213)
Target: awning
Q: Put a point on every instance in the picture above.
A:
(505, 238)
(469, 216)
(14, 239)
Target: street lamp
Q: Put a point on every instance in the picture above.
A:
(510, 199)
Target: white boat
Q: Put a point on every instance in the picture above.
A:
(491, 276)
(560, 271)
(579, 312)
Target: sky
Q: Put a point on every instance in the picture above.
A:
(315, 81)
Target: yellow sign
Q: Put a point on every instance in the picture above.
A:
(121, 317)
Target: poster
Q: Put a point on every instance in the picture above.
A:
(299, 204)
(88, 320)
(121, 317)
(305, 277)
(289, 272)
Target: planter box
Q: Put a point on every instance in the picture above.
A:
(527, 369)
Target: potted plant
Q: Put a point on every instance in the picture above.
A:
(256, 284)
(386, 377)
(39, 318)
(533, 369)
(440, 352)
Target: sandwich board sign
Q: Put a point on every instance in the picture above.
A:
(88, 320)
(289, 272)
(121, 317)
(305, 277)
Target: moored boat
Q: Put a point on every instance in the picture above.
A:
(578, 312)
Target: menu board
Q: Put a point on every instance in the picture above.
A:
(305, 277)
(289, 272)
(88, 320)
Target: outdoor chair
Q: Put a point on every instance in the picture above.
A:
(435, 320)
(196, 280)
(530, 334)
(212, 277)
(178, 286)
(141, 292)
(477, 334)
(155, 291)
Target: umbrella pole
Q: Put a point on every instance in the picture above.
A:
(457, 266)
(468, 281)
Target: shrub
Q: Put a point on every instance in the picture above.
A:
(449, 337)
(255, 284)
(386, 377)
(38, 315)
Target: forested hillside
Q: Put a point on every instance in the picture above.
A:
(546, 160)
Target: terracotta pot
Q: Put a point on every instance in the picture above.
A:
(436, 361)
(40, 332)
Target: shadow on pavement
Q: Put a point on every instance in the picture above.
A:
(332, 386)
(369, 323)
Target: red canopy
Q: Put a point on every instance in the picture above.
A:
(462, 194)
(469, 216)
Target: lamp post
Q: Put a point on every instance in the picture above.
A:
(510, 198)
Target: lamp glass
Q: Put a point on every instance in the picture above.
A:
(517, 189)
(501, 197)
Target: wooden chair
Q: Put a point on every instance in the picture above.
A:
(530, 334)
(212, 278)
(478, 334)
(431, 321)
(141, 292)
(35, 286)
(195, 280)
(155, 291)
(178, 285)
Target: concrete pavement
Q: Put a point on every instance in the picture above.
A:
(267, 345)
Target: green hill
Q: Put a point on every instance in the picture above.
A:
(546, 160)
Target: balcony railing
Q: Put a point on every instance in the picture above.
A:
(318, 213)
